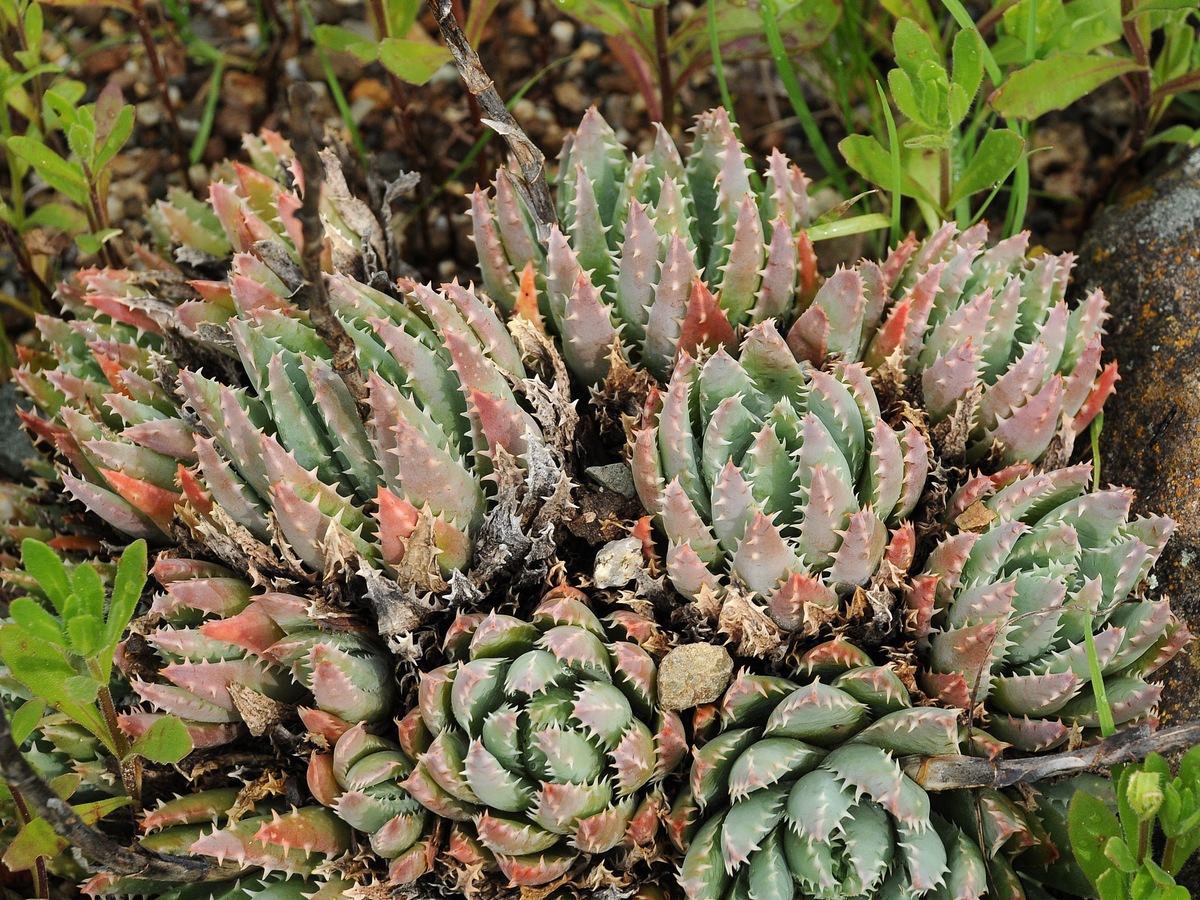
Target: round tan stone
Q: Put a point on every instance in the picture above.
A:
(693, 674)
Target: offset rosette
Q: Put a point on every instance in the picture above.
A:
(232, 657)
(777, 477)
(984, 336)
(225, 393)
(361, 781)
(800, 794)
(657, 253)
(542, 740)
(1005, 608)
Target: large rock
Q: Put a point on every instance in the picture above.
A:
(1145, 252)
(15, 446)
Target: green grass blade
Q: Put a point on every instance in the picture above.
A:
(335, 91)
(779, 55)
(210, 112)
(844, 227)
(894, 150)
(714, 44)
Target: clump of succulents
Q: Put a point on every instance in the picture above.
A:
(656, 254)
(541, 740)
(221, 410)
(1008, 600)
(141, 395)
(232, 657)
(778, 477)
(800, 794)
(983, 337)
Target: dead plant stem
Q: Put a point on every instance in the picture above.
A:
(532, 179)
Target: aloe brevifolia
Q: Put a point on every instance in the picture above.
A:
(982, 337)
(1008, 602)
(361, 780)
(293, 470)
(237, 657)
(800, 795)
(279, 850)
(657, 254)
(779, 478)
(540, 741)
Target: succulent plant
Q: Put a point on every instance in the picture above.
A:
(1002, 358)
(276, 887)
(800, 794)
(293, 468)
(541, 740)
(42, 513)
(234, 657)
(288, 845)
(1007, 602)
(657, 253)
(222, 412)
(778, 477)
(361, 781)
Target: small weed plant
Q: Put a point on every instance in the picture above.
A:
(58, 647)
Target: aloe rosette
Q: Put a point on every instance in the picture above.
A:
(542, 740)
(656, 253)
(223, 393)
(779, 477)
(1008, 600)
(360, 779)
(982, 336)
(1024, 835)
(229, 656)
(800, 795)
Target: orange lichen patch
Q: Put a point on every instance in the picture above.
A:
(1145, 253)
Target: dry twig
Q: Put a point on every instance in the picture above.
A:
(950, 773)
(532, 181)
(135, 862)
